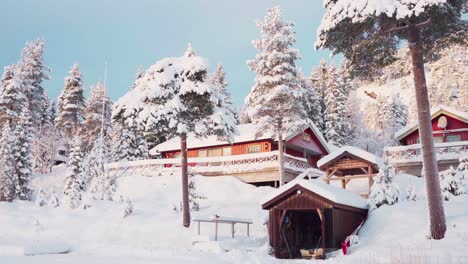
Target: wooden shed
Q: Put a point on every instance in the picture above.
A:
(309, 215)
(350, 163)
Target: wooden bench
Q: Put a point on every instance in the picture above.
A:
(216, 219)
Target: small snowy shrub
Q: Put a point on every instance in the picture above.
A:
(128, 208)
(450, 183)
(463, 167)
(41, 198)
(194, 196)
(410, 192)
(384, 191)
(54, 200)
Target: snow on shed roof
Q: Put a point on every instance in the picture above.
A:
(435, 111)
(246, 133)
(317, 186)
(360, 153)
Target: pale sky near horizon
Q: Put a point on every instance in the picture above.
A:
(126, 34)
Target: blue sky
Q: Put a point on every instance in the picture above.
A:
(140, 32)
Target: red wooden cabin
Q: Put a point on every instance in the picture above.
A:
(448, 124)
(308, 144)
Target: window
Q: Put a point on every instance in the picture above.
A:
(227, 151)
(453, 138)
(438, 139)
(202, 153)
(215, 152)
(253, 149)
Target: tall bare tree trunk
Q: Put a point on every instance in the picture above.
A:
(184, 168)
(280, 153)
(431, 172)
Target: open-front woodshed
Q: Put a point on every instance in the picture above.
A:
(313, 217)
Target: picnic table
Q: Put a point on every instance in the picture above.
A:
(216, 219)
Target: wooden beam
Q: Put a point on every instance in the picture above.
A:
(343, 184)
(359, 176)
(320, 213)
(371, 179)
(364, 170)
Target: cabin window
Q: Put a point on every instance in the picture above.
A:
(453, 138)
(438, 139)
(253, 149)
(202, 153)
(215, 152)
(227, 151)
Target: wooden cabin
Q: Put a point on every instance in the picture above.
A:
(313, 217)
(448, 125)
(350, 163)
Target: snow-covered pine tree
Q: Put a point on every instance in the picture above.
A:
(176, 98)
(94, 117)
(54, 199)
(74, 183)
(311, 101)
(13, 98)
(141, 150)
(71, 103)
(41, 198)
(275, 102)
(23, 157)
(194, 195)
(463, 167)
(319, 81)
(94, 165)
(384, 191)
(451, 183)
(34, 72)
(8, 177)
(336, 113)
(139, 74)
(122, 143)
(396, 118)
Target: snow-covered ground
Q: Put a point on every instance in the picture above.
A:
(154, 234)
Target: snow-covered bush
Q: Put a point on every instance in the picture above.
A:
(450, 183)
(41, 198)
(54, 199)
(128, 208)
(384, 191)
(74, 182)
(7, 172)
(410, 192)
(194, 196)
(463, 167)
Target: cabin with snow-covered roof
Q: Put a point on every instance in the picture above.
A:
(450, 132)
(303, 149)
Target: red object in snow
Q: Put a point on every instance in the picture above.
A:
(344, 246)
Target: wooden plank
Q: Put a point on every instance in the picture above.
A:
(359, 176)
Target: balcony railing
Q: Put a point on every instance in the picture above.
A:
(222, 165)
(412, 153)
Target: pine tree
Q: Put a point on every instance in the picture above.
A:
(23, 156)
(396, 118)
(451, 183)
(463, 167)
(311, 101)
(319, 82)
(94, 162)
(275, 102)
(41, 198)
(13, 98)
(336, 114)
(103, 184)
(34, 72)
(71, 103)
(74, 183)
(384, 191)
(8, 177)
(97, 115)
(122, 144)
(194, 196)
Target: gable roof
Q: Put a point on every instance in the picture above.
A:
(247, 133)
(334, 194)
(357, 152)
(436, 111)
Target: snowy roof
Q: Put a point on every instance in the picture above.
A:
(436, 111)
(360, 153)
(317, 186)
(246, 133)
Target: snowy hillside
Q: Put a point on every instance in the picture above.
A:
(154, 234)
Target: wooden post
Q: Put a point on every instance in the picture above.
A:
(198, 227)
(371, 180)
(216, 230)
(232, 229)
(248, 230)
(343, 184)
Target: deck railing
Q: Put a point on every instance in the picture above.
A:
(412, 153)
(222, 165)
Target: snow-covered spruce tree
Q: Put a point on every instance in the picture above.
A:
(177, 98)
(396, 118)
(8, 177)
(311, 101)
(54, 199)
(41, 198)
(275, 102)
(74, 183)
(336, 113)
(139, 74)
(451, 183)
(463, 167)
(97, 115)
(71, 103)
(319, 81)
(13, 98)
(220, 84)
(103, 184)
(384, 191)
(194, 196)
(128, 143)
(23, 157)
(34, 72)
(368, 34)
